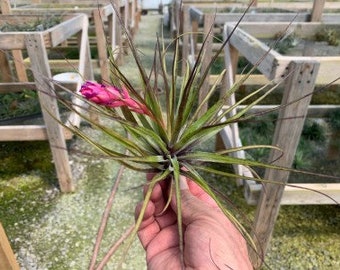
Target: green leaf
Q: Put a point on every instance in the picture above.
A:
(196, 137)
(176, 179)
(144, 135)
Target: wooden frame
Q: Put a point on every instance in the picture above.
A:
(195, 19)
(275, 72)
(300, 75)
(37, 44)
(105, 35)
(275, 67)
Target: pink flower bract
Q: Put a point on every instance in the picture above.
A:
(111, 96)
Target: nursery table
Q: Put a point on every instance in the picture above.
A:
(36, 44)
(108, 36)
(300, 74)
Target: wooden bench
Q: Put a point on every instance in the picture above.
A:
(107, 38)
(36, 45)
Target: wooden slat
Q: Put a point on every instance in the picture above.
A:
(259, 17)
(256, 79)
(52, 37)
(7, 259)
(41, 70)
(314, 111)
(5, 6)
(27, 133)
(101, 45)
(254, 51)
(318, 7)
(271, 29)
(274, 65)
(19, 65)
(208, 20)
(185, 38)
(6, 72)
(228, 81)
(286, 136)
(303, 194)
(15, 87)
(66, 29)
(8, 41)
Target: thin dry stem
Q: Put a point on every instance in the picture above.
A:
(105, 218)
(114, 247)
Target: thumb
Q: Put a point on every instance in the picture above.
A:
(192, 208)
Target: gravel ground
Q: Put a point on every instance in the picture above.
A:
(49, 230)
(60, 233)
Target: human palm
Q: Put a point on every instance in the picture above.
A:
(210, 240)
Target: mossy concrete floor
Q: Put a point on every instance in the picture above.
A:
(50, 230)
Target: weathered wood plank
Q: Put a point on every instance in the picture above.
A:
(40, 68)
(303, 194)
(15, 87)
(222, 18)
(7, 259)
(8, 41)
(5, 6)
(19, 66)
(66, 29)
(274, 65)
(299, 84)
(255, 51)
(305, 30)
(314, 111)
(28, 133)
(206, 58)
(256, 79)
(102, 44)
(52, 37)
(318, 7)
(6, 72)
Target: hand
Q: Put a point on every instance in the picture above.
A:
(211, 241)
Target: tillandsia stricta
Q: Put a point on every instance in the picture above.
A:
(164, 136)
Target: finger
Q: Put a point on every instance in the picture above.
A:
(194, 206)
(164, 241)
(162, 214)
(148, 216)
(157, 198)
(196, 190)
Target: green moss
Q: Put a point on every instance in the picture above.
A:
(21, 157)
(313, 131)
(331, 36)
(26, 171)
(22, 202)
(40, 23)
(19, 104)
(334, 120)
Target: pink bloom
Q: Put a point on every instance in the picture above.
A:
(111, 96)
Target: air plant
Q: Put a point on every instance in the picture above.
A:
(164, 138)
